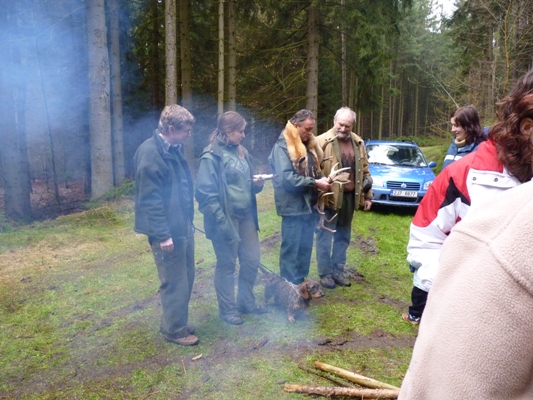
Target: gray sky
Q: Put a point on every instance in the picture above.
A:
(448, 6)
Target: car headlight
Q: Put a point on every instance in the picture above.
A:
(427, 185)
(377, 182)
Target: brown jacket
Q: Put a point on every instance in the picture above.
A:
(330, 145)
(476, 336)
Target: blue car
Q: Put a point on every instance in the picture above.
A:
(400, 172)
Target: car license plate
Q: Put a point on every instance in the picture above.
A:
(404, 193)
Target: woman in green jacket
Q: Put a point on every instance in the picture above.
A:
(225, 191)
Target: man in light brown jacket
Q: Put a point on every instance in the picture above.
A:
(342, 148)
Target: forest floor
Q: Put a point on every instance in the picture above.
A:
(44, 203)
(79, 314)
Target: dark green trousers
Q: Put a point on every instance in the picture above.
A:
(248, 253)
(176, 273)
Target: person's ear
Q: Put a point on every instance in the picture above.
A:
(526, 128)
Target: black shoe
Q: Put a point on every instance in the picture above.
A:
(352, 273)
(233, 319)
(255, 310)
(339, 279)
(328, 282)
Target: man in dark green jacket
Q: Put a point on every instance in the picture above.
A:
(164, 210)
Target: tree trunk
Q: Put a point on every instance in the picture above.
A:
(15, 177)
(351, 90)
(48, 127)
(380, 127)
(415, 124)
(99, 101)
(155, 70)
(344, 88)
(116, 92)
(171, 85)
(186, 74)
(312, 59)
(220, 103)
(401, 103)
(185, 52)
(232, 57)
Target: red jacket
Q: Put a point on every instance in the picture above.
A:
(465, 183)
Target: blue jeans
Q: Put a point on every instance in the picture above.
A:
(328, 256)
(176, 273)
(248, 252)
(297, 234)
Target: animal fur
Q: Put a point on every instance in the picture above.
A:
(298, 150)
(292, 298)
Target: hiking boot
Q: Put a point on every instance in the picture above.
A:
(340, 279)
(351, 273)
(328, 282)
(254, 310)
(190, 329)
(189, 340)
(409, 318)
(233, 319)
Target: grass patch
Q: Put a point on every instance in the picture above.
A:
(79, 314)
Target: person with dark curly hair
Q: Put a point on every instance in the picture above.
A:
(467, 133)
(500, 163)
(475, 337)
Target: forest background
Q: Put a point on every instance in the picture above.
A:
(82, 82)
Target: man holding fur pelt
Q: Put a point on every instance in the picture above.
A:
(342, 148)
(296, 159)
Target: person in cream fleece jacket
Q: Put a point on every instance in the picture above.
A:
(476, 338)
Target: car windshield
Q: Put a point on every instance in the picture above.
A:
(395, 154)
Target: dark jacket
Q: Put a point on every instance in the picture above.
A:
(455, 153)
(161, 211)
(212, 195)
(292, 192)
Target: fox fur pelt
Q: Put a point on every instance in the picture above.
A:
(298, 150)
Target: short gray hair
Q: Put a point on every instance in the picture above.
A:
(301, 116)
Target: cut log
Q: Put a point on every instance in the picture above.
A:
(353, 377)
(342, 391)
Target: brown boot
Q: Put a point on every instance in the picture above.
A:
(189, 340)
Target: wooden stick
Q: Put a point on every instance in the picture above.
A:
(341, 391)
(337, 382)
(353, 377)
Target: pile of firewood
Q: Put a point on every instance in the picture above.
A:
(377, 389)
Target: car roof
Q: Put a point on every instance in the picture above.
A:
(407, 143)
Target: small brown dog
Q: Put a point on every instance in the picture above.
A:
(292, 298)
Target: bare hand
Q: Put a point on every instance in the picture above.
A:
(167, 245)
(323, 184)
(368, 205)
